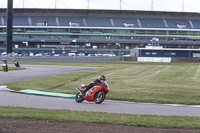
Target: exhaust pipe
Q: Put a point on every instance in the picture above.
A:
(78, 90)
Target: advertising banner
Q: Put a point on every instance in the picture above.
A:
(154, 59)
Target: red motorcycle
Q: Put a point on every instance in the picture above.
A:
(97, 93)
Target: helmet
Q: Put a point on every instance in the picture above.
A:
(4, 59)
(102, 77)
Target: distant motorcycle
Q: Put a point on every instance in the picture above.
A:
(16, 64)
(97, 93)
(5, 67)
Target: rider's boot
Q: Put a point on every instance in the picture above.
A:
(88, 87)
(82, 93)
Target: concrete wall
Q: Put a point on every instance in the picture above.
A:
(130, 58)
(189, 60)
(67, 58)
(92, 58)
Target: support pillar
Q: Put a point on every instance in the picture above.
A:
(9, 26)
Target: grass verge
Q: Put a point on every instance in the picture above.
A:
(150, 82)
(161, 83)
(100, 117)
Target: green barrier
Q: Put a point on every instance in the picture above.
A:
(47, 93)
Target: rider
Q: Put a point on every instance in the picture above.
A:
(16, 63)
(95, 82)
(4, 61)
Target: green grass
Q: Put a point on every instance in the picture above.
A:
(100, 117)
(151, 82)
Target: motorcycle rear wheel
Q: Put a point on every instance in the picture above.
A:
(79, 98)
(100, 97)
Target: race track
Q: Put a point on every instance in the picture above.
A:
(8, 98)
(38, 71)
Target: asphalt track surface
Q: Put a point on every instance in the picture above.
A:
(8, 98)
(38, 71)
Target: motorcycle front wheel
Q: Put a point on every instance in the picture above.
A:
(79, 98)
(100, 97)
(4, 68)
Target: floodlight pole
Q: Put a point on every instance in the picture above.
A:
(120, 7)
(88, 4)
(9, 26)
(23, 4)
(55, 4)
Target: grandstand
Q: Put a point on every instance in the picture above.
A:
(100, 29)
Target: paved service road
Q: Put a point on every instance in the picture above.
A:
(35, 101)
(38, 71)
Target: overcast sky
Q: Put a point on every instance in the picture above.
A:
(158, 5)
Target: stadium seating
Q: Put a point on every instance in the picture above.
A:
(119, 22)
(3, 20)
(178, 23)
(152, 23)
(101, 22)
(75, 21)
(196, 24)
(98, 22)
(43, 21)
(20, 20)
